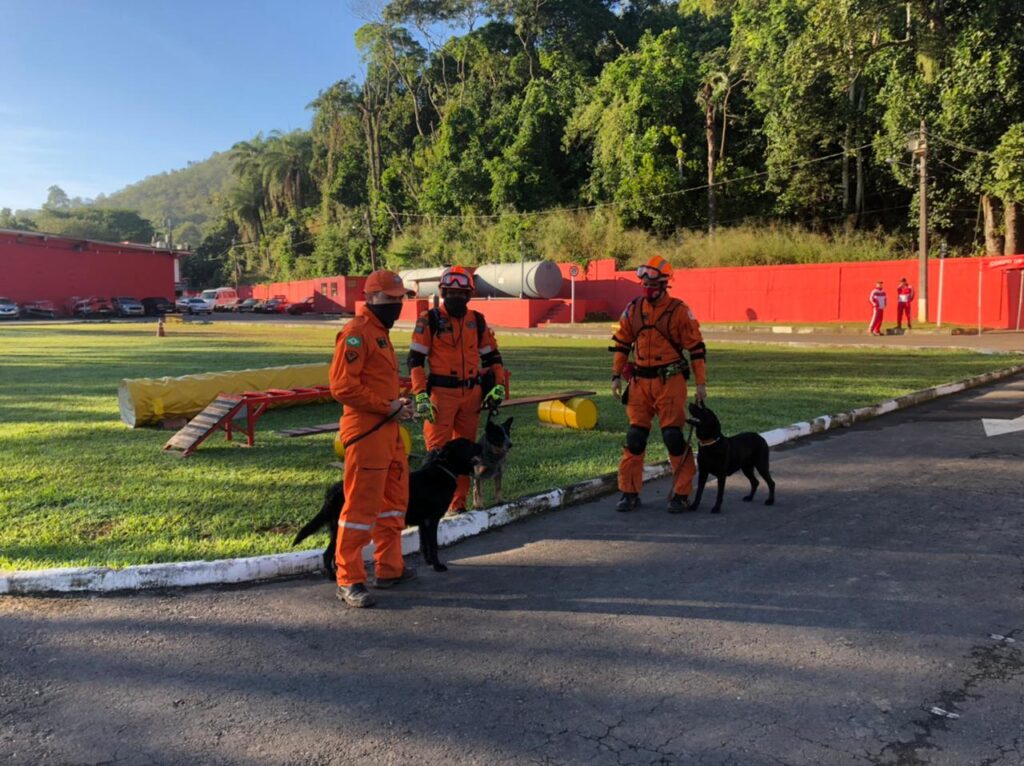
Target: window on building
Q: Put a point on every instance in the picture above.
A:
(323, 288)
(334, 289)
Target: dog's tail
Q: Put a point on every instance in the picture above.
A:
(330, 507)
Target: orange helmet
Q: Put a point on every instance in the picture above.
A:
(657, 270)
(457, 278)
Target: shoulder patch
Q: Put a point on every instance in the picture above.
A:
(689, 313)
(354, 341)
(420, 329)
(351, 356)
(382, 342)
(471, 325)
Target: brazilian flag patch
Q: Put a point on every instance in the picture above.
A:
(354, 340)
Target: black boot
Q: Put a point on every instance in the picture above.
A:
(678, 504)
(628, 502)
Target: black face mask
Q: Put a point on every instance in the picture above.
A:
(456, 306)
(387, 313)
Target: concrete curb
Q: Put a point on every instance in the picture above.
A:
(451, 530)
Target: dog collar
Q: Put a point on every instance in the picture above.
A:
(454, 477)
(709, 443)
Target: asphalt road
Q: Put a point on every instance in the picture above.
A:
(819, 631)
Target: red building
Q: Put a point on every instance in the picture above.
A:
(37, 266)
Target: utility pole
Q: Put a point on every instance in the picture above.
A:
(921, 152)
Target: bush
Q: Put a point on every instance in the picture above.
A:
(582, 236)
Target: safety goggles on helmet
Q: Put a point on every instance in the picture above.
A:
(457, 280)
(651, 274)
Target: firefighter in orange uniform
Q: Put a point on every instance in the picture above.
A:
(465, 369)
(657, 329)
(364, 378)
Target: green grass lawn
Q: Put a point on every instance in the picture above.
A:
(79, 488)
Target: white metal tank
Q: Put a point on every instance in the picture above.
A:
(423, 281)
(534, 279)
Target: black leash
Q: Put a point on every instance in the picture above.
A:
(678, 469)
(373, 430)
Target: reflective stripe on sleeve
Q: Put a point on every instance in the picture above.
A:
(419, 347)
(355, 525)
(485, 350)
(391, 515)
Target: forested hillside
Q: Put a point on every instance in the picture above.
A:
(190, 198)
(588, 128)
(712, 131)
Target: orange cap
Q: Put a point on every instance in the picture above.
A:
(387, 282)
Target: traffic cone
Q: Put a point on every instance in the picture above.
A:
(160, 328)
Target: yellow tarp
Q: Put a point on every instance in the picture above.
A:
(147, 401)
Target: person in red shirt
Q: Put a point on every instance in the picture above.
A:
(877, 300)
(658, 332)
(364, 378)
(904, 300)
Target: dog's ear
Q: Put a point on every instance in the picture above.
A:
(507, 426)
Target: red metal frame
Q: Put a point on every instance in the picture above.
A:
(256, 404)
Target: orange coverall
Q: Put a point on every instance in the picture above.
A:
(456, 360)
(364, 378)
(650, 396)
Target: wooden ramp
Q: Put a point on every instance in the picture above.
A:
(217, 414)
(561, 396)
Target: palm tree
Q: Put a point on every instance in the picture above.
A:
(284, 170)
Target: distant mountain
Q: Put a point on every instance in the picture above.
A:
(189, 197)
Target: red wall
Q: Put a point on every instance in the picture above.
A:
(827, 292)
(334, 295)
(43, 267)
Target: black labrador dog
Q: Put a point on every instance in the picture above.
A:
(494, 445)
(721, 456)
(431, 487)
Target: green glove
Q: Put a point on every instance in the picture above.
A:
(495, 396)
(424, 407)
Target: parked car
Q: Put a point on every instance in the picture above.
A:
(249, 305)
(128, 307)
(156, 306)
(93, 307)
(9, 309)
(222, 298)
(275, 305)
(43, 309)
(303, 307)
(194, 306)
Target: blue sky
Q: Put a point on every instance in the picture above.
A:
(98, 94)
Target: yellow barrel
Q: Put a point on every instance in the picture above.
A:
(339, 448)
(578, 413)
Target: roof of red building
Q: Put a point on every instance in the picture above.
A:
(90, 243)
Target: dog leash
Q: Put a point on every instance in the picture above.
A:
(678, 469)
(373, 430)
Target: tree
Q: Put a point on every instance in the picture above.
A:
(637, 126)
(1008, 183)
(56, 199)
(9, 220)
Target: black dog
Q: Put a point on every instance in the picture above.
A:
(494, 445)
(722, 456)
(431, 487)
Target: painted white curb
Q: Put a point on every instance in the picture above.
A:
(451, 530)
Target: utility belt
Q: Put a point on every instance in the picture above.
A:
(450, 381)
(664, 371)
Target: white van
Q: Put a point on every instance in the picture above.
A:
(222, 298)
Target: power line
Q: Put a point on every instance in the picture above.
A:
(958, 145)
